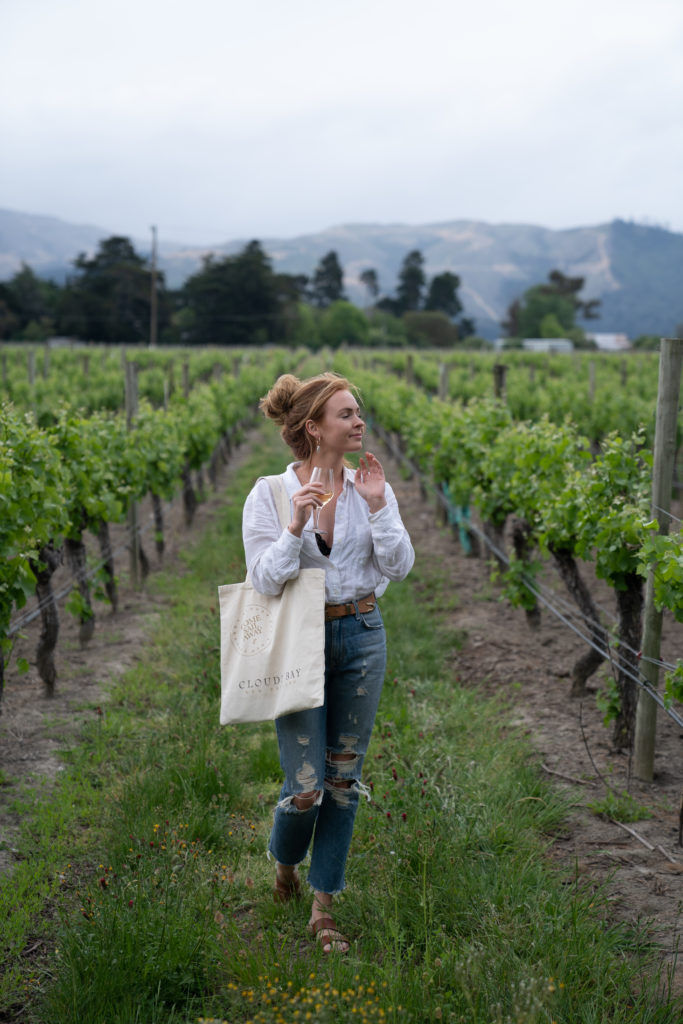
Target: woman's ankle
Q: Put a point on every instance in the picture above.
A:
(322, 904)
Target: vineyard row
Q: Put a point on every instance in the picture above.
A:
(566, 497)
(543, 485)
(84, 472)
(599, 391)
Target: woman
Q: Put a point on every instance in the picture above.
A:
(361, 544)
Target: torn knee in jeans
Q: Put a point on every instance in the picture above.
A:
(339, 790)
(339, 785)
(334, 757)
(302, 801)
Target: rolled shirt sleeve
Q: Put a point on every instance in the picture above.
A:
(393, 552)
(272, 554)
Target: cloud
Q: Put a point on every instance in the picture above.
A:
(269, 118)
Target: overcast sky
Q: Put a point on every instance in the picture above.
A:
(216, 120)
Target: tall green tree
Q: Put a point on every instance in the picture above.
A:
(29, 306)
(411, 282)
(569, 288)
(537, 306)
(550, 307)
(371, 281)
(8, 318)
(328, 281)
(442, 296)
(109, 298)
(237, 300)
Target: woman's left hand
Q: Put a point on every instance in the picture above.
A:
(369, 482)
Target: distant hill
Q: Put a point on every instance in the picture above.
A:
(636, 270)
(46, 244)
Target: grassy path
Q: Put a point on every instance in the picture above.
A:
(147, 862)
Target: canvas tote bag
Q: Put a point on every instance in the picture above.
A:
(272, 648)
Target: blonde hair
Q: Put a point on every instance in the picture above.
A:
(292, 402)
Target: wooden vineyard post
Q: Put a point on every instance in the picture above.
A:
(32, 380)
(591, 381)
(443, 382)
(131, 413)
(670, 362)
(410, 369)
(189, 494)
(499, 372)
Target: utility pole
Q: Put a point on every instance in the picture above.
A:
(153, 293)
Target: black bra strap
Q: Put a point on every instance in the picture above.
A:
(322, 546)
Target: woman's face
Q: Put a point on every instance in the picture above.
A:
(340, 426)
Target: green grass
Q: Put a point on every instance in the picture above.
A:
(619, 806)
(146, 879)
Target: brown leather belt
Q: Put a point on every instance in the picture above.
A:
(338, 611)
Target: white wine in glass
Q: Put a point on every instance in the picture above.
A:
(326, 478)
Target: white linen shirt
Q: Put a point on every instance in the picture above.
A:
(368, 549)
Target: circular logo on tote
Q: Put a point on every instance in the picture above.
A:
(253, 631)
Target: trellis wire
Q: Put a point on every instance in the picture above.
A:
(23, 620)
(644, 684)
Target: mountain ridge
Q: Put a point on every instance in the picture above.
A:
(636, 270)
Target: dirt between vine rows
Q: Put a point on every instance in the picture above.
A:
(642, 874)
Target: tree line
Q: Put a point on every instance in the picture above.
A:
(238, 300)
(241, 300)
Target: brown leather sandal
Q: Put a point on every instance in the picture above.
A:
(284, 891)
(325, 932)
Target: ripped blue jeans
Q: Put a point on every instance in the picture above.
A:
(355, 663)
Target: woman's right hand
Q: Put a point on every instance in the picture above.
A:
(303, 503)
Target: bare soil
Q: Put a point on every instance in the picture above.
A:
(33, 729)
(641, 870)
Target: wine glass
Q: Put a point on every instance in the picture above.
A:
(326, 478)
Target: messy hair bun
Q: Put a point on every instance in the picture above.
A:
(278, 402)
(292, 403)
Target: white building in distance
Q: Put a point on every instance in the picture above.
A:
(548, 345)
(610, 342)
